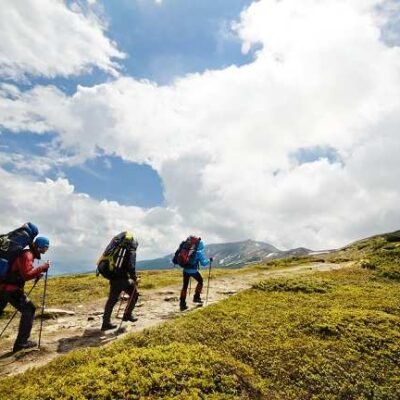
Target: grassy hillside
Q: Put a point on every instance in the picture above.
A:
(333, 335)
(71, 290)
(78, 289)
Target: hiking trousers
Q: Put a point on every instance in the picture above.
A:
(186, 278)
(19, 300)
(116, 287)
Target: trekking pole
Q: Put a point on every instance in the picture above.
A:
(190, 285)
(208, 281)
(15, 313)
(134, 291)
(43, 302)
(120, 305)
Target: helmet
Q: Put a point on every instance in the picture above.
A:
(42, 242)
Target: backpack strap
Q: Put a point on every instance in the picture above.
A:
(13, 277)
(4, 244)
(113, 259)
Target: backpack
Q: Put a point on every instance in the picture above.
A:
(12, 245)
(112, 259)
(185, 256)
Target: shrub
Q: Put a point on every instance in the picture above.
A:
(367, 264)
(392, 237)
(390, 274)
(293, 285)
(178, 371)
(280, 340)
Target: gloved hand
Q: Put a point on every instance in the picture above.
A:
(45, 266)
(211, 259)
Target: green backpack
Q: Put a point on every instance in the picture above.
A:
(111, 261)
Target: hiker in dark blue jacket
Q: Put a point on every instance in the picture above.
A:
(193, 272)
(118, 265)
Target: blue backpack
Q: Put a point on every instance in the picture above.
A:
(12, 245)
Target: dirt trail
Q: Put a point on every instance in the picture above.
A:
(65, 333)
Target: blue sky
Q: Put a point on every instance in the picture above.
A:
(168, 40)
(305, 155)
(161, 42)
(271, 120)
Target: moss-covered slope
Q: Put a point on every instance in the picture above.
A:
(333, 335)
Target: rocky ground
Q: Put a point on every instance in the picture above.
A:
(79, 327)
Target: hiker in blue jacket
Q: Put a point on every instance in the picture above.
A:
(193, 272)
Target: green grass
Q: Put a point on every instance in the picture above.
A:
(294, 285)
(79, 289)
(332, 335)
(169, 371)
(69, 291)
(287, 262)
(269, 342)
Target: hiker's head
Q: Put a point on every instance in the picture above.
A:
(41, 244)
(200, 246)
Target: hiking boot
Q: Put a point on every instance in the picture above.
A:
(197, 299)
(107, 326)
(183, 306)
(130, 318)
(29, 344)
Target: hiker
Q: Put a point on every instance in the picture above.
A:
(191, 270)
(12, 289)
(118, 264)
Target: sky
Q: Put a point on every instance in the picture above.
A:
(269, 120)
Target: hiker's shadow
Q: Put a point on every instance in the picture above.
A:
(6, 355)
(89, 338)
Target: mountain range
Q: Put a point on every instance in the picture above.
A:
(231, 255)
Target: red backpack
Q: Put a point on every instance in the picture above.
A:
(185, 256)
(12, 245)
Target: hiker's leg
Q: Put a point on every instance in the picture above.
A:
(199, 286)
(113, 296)
(3, 302)
(185, 285)
(27, 309)
(131, 290)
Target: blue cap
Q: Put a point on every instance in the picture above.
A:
(42, 242)
(200, 246)
(32, 228)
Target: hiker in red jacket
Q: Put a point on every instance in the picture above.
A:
(12, 289)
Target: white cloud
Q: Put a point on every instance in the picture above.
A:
(46, 38)
(221, 141)
(78, 226)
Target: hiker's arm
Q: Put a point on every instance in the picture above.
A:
(26, 269)
(202, 259)
(132, 264)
